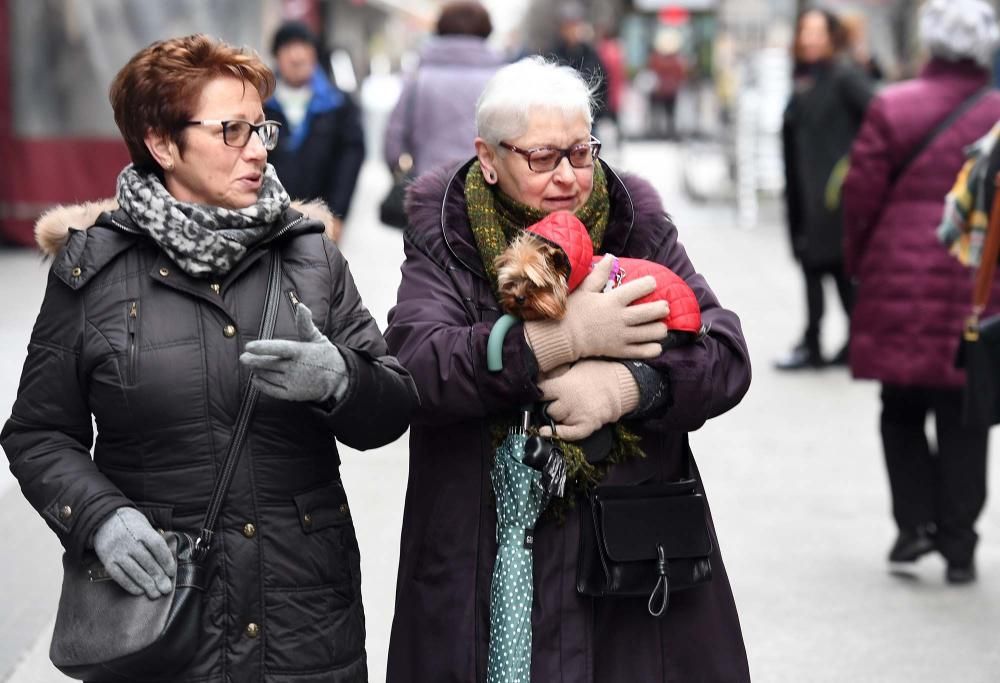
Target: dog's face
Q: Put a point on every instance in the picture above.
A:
(532, 276)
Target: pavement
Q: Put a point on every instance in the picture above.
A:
(794, 475)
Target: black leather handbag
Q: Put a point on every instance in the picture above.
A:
(392, 209)
(979, 348)
(647, 540)
(103, 632)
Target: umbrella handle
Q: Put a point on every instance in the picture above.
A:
(494, 346)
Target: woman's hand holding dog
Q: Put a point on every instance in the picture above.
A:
(586, 396)
(601, 325)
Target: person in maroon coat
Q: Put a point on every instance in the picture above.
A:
(445, 311)
(912, 296)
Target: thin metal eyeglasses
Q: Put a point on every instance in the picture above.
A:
(545, 159)
(236, 133)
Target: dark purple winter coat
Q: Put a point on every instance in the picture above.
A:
(912, 296)
(439, 329)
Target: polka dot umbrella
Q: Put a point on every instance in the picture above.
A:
(527, 472)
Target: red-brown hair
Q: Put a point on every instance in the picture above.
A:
(159, 88)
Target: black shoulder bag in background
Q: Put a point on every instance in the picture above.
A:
(979, 349)
(103, 632)
(392, 210)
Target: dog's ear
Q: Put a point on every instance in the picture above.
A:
(561, 262)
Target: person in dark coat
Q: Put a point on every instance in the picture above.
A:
(446, 308)
(912, 296)
(573, 48)
(830, 94)
(320, 152)
(148, 327)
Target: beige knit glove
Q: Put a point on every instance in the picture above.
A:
(598, 325)
(586, 396)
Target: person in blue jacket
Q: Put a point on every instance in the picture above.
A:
(322, 146)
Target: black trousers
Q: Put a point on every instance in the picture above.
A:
(814, 299)
(946, 488)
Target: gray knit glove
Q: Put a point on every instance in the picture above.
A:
(312, 369)
(134, 554)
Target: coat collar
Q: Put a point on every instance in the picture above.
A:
(67, 234)
(457, 231)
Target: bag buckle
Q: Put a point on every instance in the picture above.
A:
(202, 544)
(662, 583)
(971, 332)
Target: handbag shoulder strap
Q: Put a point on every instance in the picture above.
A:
(242, 426)
(991, 251)
(941, 127)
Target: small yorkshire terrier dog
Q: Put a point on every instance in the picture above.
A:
(540, 268)
(533, 274)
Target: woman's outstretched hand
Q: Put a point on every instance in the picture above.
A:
(601, 325)
(311, 369)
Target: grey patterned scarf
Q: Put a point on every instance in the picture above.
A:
(203, 240)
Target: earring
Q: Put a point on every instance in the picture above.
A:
(168, 166)
(491, 176)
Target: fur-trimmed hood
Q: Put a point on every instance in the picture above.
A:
(52, 227)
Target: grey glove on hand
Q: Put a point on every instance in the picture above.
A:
(134, 554)
(312, 369)
(586, 396)
(600, 324)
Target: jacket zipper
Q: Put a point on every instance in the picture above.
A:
(293, 299)
(133, 320)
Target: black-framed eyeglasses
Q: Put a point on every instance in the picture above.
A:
(236, 133)
(545, 159)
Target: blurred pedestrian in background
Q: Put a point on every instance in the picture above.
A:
(912, 296)
(612, 56)
(574, 47)
(829, 97)
(434, 120)
(142, 327)
(322, 146)
(858, 47)
(670, 68)
(535, 155)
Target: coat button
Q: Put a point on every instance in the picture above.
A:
(307, 519)
(252, 630)
(229, 331)
(343, 509)
(249, 530)
(65, 512)
(164, 272)
(77, 271)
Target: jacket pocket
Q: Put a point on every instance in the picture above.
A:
(323, 507)
(132, 325)
(160, 515)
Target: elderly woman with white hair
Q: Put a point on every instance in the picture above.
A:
(536, 155)
(912, 296)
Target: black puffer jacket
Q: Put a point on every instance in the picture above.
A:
(153, 354)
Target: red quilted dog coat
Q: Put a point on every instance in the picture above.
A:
(566, 231)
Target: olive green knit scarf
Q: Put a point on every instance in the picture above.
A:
(496, 219)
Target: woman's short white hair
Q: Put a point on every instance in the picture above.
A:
(960, 29)
(531, 84)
